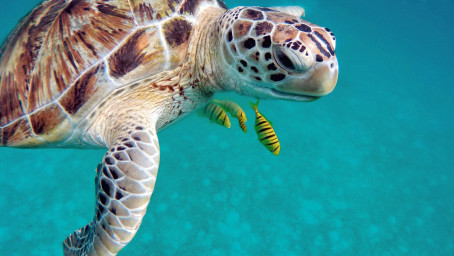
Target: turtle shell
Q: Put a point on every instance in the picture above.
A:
(65, 56)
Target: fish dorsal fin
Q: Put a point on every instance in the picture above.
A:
(292, 10)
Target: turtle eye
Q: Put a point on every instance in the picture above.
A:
(284, 60)
(290, 60)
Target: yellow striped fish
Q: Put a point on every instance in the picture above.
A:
(265, 132)
(235, 110)
(216, 114)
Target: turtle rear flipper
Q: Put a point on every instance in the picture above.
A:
(124, 184)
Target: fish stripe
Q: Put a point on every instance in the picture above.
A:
(242, 124)
(231, 107)
(211, 111)
(265, 133)
(235, 110)
(264, 126)
(261, 122)
(267, 137)
(272, 143)
(265, 129)
(268, 133)
(216, 114)
(220, 113)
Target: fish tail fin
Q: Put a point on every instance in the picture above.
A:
(254, 105)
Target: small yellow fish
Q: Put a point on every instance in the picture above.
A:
(216, 114)
(235, 110)
(265, 132)
(242, 124)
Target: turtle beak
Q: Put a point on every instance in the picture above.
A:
(318, 81)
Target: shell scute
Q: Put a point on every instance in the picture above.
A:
(86, 92)
(141, 55)
(11, 96)
(147, 11)
(189, 6)
(19, 133)
(18, 58)
(46, 121)
(83, 33)
(132, 54)
(177, 31)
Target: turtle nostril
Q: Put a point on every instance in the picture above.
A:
(332, 65)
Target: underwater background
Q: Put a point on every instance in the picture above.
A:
(365, 170)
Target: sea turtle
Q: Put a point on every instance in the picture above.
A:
(112, 73)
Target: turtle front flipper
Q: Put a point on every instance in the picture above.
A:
(124, 184)
(296, 11)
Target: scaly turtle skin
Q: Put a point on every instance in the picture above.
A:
(98, 73)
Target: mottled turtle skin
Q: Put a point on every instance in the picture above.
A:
(112, 73)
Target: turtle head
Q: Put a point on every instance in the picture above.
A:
(272, 54)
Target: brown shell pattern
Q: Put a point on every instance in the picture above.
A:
(66, 55)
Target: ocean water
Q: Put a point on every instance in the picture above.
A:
(366, 170)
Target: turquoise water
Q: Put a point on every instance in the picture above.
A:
(366, 170)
